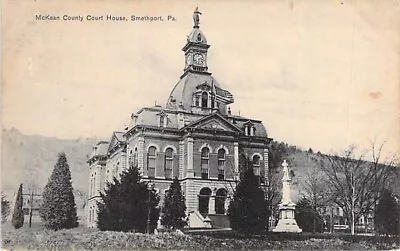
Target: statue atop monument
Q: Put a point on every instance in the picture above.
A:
(196, 17)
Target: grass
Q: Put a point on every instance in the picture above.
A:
(81, 238)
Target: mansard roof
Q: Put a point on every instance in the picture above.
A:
(147, 116)
(117, 139)
(99, 150)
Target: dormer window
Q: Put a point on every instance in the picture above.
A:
(162, 119)
(196, 101)
(249, 129)
(199, 37)
(204, 100)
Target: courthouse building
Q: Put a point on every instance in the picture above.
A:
(194, 137)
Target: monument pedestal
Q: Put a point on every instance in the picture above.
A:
(287, 222)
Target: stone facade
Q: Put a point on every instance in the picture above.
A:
(193, 137)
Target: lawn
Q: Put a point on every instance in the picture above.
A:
(82, 238)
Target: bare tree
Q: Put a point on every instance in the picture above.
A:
(354, 182)
(314, 189)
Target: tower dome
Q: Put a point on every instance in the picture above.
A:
(197, 90)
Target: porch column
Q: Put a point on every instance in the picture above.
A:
(266, 167)
(190, 171)
(181, 158)
(236, 158)
(211, 205)
(141, 156)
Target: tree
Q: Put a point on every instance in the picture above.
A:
(58, 209)
(128, 204)
(248, 210)
(314, 191)
(277, 152)
(18, 215)
(307, 217)
(5, 208)
(387, 216)
(353, 183)
(173, 212)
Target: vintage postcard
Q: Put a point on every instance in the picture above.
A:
(200, 124)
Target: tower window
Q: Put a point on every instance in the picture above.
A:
(162, 121)
(256, 165)
(204, 100)
(199, 37)
(169, 161)
(205, 158)
(221, 164)
(151, 162)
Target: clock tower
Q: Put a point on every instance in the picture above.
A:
(195, 49)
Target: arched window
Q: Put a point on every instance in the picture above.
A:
(256, 165)
(204, 199)
(94, 185)
(205, 158)
(168, 164)
(196, 100)
(220, 198)
(135, 157)
(116, 174)
(151, 162)
(91, 187)
(130, 159)
(204, 100)
(221, 164)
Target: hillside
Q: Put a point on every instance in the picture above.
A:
(30, 159)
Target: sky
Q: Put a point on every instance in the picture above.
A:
(319, 74)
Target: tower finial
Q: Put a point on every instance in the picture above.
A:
(196, 17)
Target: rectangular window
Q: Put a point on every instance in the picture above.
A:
(221, 169)
(151, 171)
(168, 168)
(151, 162)
(204, 168)
(221, 174)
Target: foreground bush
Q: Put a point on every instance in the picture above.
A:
(18, 215)
(387, 217)
(128, 204)
(58, 209)
(307, 218)
(248, 211)
(174, 216)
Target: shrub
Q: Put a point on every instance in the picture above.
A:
(18, 215)
(173, 212)
(248, 211)
(307, 218)
(387, 216)
(128, 204)
(58, 209)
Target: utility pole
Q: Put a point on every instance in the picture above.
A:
(31, 209)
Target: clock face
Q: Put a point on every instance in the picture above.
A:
(198, 59)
